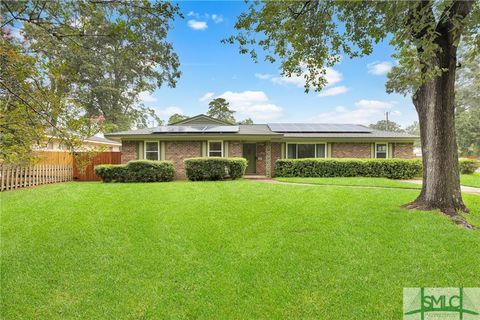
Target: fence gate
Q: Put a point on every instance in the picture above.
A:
(87, 173)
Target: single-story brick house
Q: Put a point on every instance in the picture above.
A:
(260, 144)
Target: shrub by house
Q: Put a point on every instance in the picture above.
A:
(389, 168)
(137, 171)
(201, 169)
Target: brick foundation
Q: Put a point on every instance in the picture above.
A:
(177, 151)
(351, 150)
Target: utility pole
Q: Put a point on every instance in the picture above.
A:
(386, 115)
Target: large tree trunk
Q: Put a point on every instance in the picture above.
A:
(434, 102)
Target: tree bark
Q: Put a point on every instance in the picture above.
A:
(434, 102)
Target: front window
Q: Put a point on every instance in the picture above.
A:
(152, 150)
(306, 150)
(215, 149)
(381, 150)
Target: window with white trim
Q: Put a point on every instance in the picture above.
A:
(152, 150)
(306, 150)
(215, 148)
(381, 150)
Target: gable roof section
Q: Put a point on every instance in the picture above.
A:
(199, 120)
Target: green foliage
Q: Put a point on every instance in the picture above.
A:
(219, 109)
(246, 121)
(137, 171)
(174, 118)
(35, 107)
(80, 67)
(468, 166)
(309, 36)
(111, 172)
(201, 169)
(384, 126)
(388, 168)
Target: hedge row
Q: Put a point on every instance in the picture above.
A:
(389, 168)
(468, 166)
(202, 169)
(136, 171)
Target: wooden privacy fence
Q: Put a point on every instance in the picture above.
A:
(54, 167)
(87, 173)
(14, 177)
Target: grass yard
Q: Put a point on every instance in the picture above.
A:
(471, 180)
(355, 181)
(224, 250)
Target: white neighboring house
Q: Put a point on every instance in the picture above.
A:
(89, 144)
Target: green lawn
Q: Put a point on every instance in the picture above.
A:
(472, 180)
(355, 181)
(224, 250)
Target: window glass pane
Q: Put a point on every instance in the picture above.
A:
(215, 149)
(216, 146)
(151, 146)
(292, 151)
(381, 155)
(306, 151)
(320, 151)
(381, 148)
(151, 155)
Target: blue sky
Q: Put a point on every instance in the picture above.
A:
(355, 94)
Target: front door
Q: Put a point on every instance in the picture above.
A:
(250, 153)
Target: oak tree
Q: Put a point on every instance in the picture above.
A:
(309, 36)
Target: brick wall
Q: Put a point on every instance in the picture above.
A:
(351, 150)
(177, 151)
(235, 149)
(403, 150)
(261, 156)
(129, 151)
(276, 154)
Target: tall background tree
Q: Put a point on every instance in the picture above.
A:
(219, 108)
(90, 59)
(308, 36)
(386, 126)
(174, 118)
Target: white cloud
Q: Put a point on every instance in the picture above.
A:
(263, 76)
(165, 113)
(374, 104)
(331, 75)
(253, 104)
(197, 25)
(146, 97)
(333, 91)
(379, 68)
(365, 112)
(207, 96)
(192, 14)
(217, 18)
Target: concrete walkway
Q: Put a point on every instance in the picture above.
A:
(465, 189)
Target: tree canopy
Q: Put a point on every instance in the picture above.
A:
(219, 108)
(93, 56)
(385, 125)
(174, 118)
